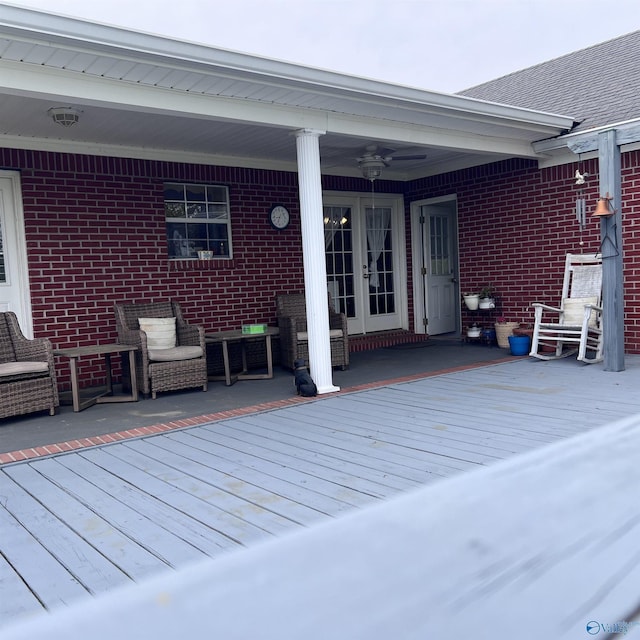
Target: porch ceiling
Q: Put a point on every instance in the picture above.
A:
(142, 95)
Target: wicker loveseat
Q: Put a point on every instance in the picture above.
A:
(27, 372)
(165, 367)
(294, 342)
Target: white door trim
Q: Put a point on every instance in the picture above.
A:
(15, 242)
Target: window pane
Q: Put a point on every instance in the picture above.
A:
(173, 191)
(218, 211)
(196, 210)
(217, 194)
(174, 210)
(197, 220)
(178, 240)
(196, 192)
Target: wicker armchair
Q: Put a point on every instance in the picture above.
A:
(27, 372)
(294, 342)
(163, 369)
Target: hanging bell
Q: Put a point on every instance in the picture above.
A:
(603, 208)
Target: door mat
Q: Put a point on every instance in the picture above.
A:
(426, 343)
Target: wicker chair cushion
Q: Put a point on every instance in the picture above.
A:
(176, 353)
(574, 310)
(333, 333)
(15, 368)
(161, 332)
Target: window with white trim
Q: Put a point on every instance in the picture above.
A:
(197, 220)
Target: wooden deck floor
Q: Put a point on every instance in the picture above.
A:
(85, 522)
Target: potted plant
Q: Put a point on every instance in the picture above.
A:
(487, 301)
(471, 300)
(473, 331)
(504, 329)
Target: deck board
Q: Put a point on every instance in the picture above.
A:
(69, 549)
(352, 433)
(206, 482)
(315, 454)
(209, 510)
(49, 580)
(321, 478)
(282, 480)
(409, 429)
(17, 598)
(151, 501)
(85, 522)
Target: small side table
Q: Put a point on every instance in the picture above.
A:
(225, 337)
(73, 353)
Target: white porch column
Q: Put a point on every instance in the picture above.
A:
(315, 269)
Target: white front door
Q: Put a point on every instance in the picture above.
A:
(14, 277)
(366, 273)
(435, 264)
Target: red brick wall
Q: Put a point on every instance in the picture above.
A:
(517, 222)
(95, 236)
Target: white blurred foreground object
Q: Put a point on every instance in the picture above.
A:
(541, 545)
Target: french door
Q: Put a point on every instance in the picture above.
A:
(364, 240)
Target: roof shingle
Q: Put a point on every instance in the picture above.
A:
(597, 86)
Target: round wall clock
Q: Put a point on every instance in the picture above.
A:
(279, 217)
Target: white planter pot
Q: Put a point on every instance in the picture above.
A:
(474, 332)
(487, 303)
(472, 301)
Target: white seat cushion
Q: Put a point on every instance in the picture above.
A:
(176, 353)
(15, 368)
(574, 310)
(333, 333)
(161, 332)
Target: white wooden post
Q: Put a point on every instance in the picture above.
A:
(313, 253)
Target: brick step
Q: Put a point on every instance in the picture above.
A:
(381, 339)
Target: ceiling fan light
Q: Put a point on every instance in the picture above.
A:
(64, 116)
(371, 169)
(371, 173)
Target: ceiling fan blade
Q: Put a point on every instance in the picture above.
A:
(415, 157)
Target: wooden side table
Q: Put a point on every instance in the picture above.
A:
(225, 337)
(74, 353)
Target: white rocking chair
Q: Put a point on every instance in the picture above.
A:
(575, 326)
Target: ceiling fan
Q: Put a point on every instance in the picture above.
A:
(375, 159)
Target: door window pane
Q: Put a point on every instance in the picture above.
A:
(380, 261)
(338, 239)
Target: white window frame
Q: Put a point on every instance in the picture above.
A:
(203, 223)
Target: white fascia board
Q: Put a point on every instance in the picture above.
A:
(133, 45)
(418, 135)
